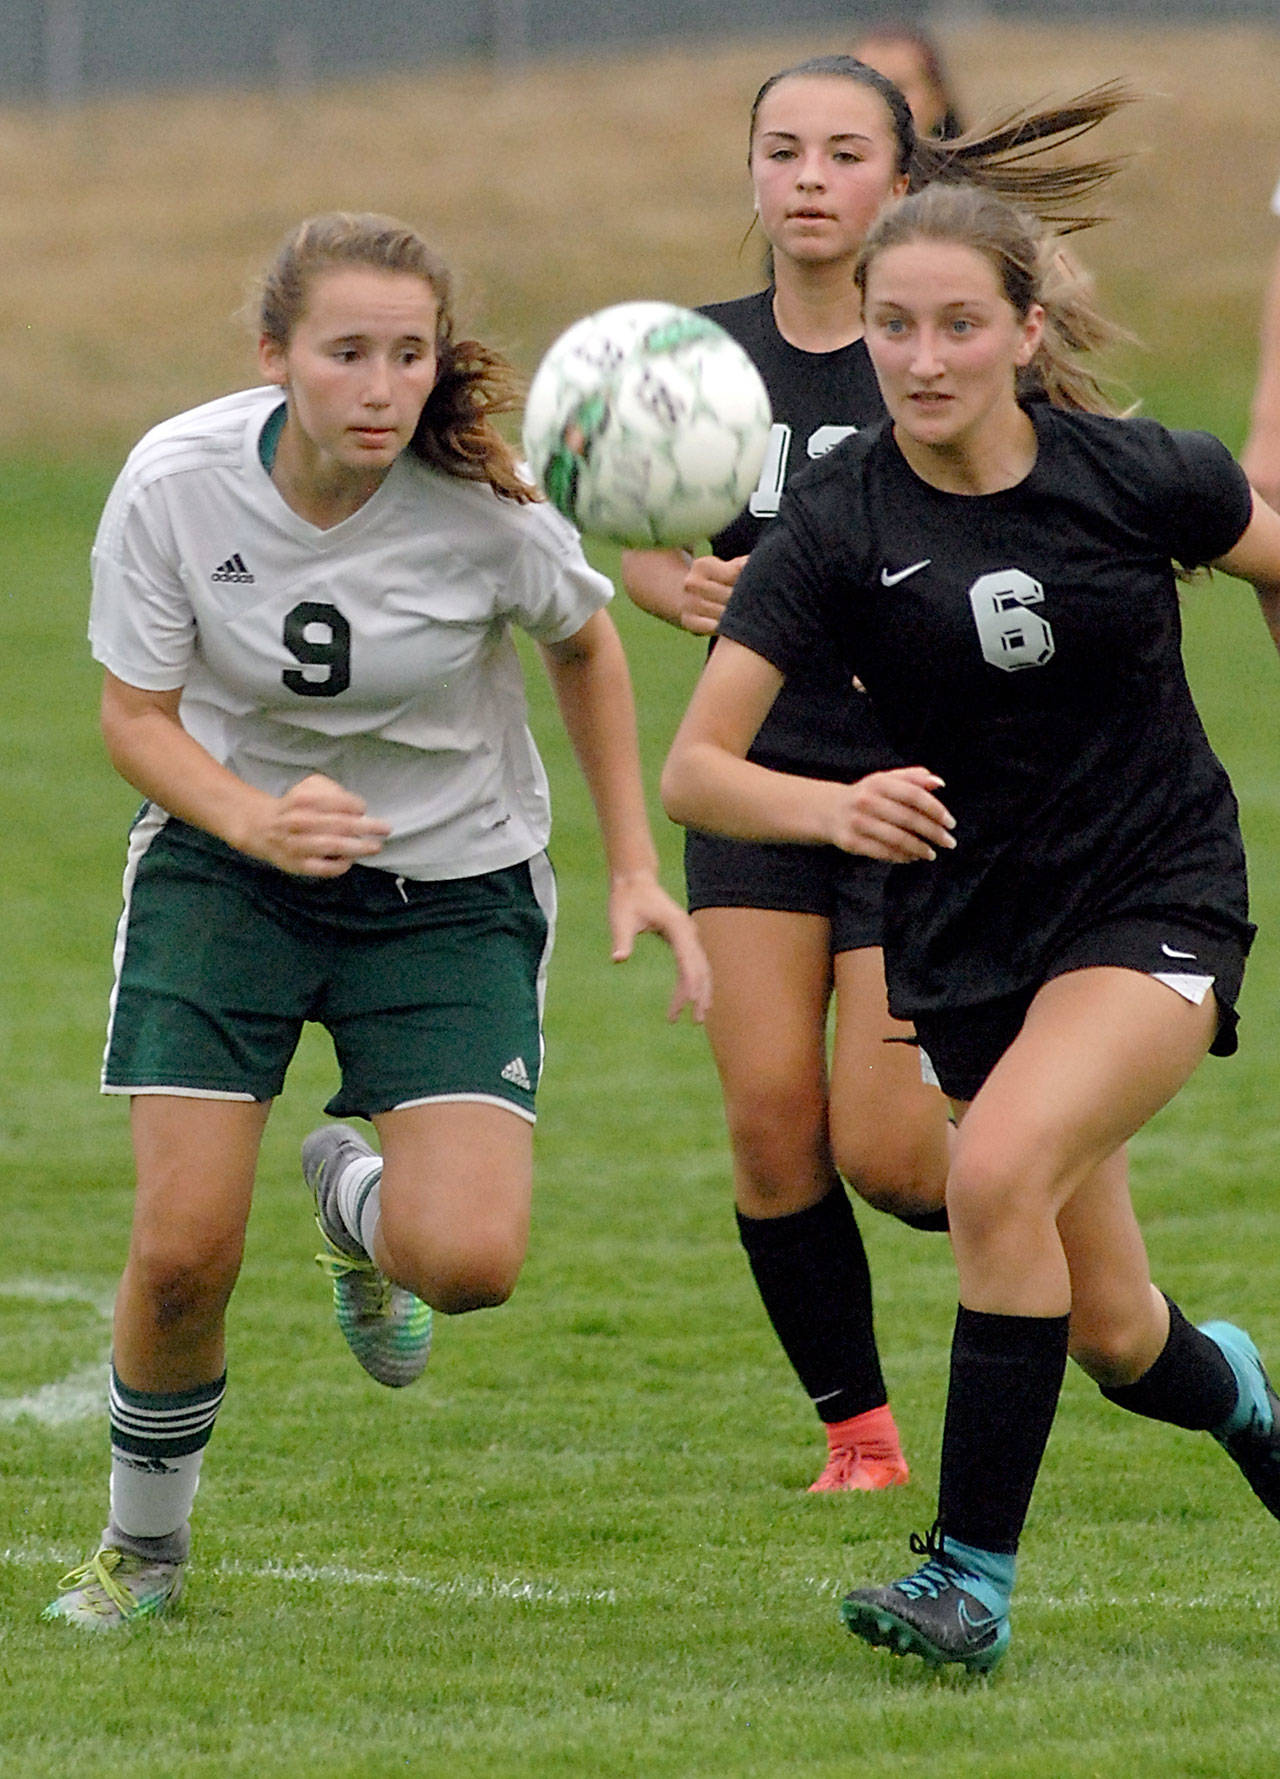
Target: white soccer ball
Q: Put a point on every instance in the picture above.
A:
(647, 424)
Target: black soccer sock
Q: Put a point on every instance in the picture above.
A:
(1190, 1385)
(1006, 1374)
(811, 1271)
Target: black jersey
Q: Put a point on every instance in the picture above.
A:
(819, 725)
(1026, 646)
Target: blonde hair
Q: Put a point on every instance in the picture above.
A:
(455, 433)
(1032, 267)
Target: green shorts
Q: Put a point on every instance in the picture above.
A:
(430, 991)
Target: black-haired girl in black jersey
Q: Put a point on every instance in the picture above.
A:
(1067, 921)
(790, 928)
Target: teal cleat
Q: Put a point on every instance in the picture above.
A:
(944, 1612)
(1251, 1435)
(115, 1588)
(387, 1328)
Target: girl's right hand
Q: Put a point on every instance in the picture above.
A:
(707, 587)
(891, 815)
(317, 829)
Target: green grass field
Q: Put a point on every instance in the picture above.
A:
(581, 1546)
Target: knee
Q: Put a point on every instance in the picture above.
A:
(477, 1271)
(780, 1151)
(1113, 1345)
(990, 1193)
(476, 1283)
(895, 1179)
(184, 1284)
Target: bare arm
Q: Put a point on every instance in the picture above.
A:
(1260, 458)
(317, 829)
(709, 782)
(592, 685)
(688, 591)
(1256, 558)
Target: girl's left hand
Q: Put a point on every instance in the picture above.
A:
(639, 904)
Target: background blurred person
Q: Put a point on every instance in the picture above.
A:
(909, 57)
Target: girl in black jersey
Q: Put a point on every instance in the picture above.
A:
(1068, 923)
(790, 927)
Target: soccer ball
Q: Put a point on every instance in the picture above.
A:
(647, 424)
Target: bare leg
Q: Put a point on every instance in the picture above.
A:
(195, 1161)
(1101, 1051)
(889, 1131)
(457, 1184)
(767, 1026)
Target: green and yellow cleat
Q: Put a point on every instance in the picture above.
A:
(387, 1328)
(115, 1588)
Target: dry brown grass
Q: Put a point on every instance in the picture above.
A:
(128, 231)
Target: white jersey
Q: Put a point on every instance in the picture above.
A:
(377, 652)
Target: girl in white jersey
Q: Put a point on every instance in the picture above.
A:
(1067, 915)
(303, 599)
(790, 929)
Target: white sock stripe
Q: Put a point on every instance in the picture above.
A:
(353, 1176)
(174, 1433)
(155, 1422)
(156, 1426)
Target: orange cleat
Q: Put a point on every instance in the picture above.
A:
(864, 1454)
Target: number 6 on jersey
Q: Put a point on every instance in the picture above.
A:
(1010, 635)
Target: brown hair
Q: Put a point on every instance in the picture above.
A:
(995, 156)
(455, 433)
(1032, 267)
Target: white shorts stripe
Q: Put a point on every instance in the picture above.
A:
(543, 879)
(479, 1099)
(142, 833)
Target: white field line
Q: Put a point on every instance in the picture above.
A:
(554, 1593)
(58, 1291)
(336, 1575)
(81, 1394)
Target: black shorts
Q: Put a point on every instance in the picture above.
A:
(961, 1045)
(844, 889)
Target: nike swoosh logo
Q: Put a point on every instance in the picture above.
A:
(981, 1625)
(1170, 952)
(891, 580)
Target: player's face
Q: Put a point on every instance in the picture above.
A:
(946, 343)
(358, 369)
(823, 163)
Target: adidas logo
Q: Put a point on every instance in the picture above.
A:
(233, 569)
(517, 1074)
